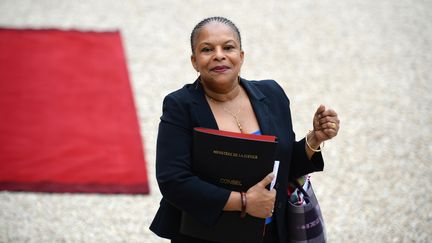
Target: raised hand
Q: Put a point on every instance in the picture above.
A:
(325, 124)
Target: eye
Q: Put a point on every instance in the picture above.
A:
(205, 49)
(229, 47)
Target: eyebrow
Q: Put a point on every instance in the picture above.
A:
(208, 43)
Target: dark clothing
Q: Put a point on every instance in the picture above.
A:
(270, 237)
(187, 108)
(187, 239)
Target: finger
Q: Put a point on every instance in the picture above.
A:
(320, 110)
(317, 116)
(267, 180)
(329, 112)
(272, 194)
(316, 123)
(271, 211)
(328, 119)
(330, 125)
(331, 133)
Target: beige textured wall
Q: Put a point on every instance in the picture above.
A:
(369, 60)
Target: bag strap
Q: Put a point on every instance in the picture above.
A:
(300, 187)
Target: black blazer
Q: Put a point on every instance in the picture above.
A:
(187, 108)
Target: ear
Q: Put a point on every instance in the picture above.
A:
(242, 56)
(193, 61)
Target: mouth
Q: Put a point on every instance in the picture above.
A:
(220, 69)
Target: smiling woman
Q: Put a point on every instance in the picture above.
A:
(221, 99)
(218, 57)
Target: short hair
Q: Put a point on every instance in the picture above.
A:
(206, 21)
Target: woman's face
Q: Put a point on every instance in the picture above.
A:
(217, 55)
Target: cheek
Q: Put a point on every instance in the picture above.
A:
(238, 62)
(201, 62)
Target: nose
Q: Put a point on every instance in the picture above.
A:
(219, 54)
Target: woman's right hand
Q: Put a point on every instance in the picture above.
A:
(260, 201)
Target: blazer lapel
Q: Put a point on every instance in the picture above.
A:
(260, 106)
(204, 116)
(200, 108)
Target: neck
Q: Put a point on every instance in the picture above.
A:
(223, 95)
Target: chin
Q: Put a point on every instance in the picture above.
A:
(226, 80)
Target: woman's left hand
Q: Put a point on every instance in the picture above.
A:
(325, 124)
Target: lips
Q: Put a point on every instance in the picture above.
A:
(220, 69)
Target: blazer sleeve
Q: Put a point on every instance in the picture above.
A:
(177, 183)
(300, 164)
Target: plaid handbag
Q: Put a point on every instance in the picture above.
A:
(304, 219)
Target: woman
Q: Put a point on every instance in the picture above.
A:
(220, 99)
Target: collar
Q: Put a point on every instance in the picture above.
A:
(204, 115)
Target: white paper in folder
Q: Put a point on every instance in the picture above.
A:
(275, 172)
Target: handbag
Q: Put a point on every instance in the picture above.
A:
(304, 220)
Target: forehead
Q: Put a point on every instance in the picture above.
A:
(215, 32)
